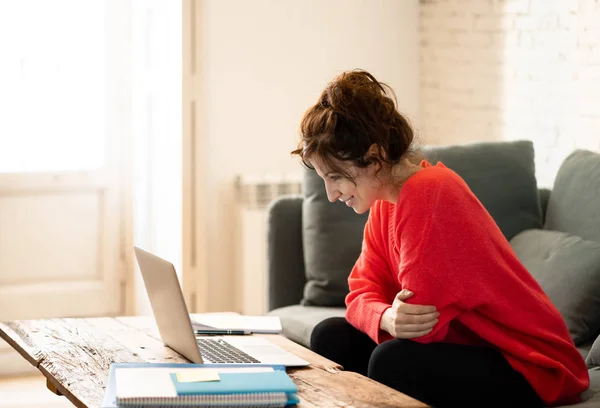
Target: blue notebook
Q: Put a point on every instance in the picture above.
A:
(239, 383)
(258, 389)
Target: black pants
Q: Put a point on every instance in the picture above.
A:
(439, 374)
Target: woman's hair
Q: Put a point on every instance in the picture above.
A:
(354, 112)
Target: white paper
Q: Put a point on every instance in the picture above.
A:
(255, 324)
(134, 382)
(156, 381)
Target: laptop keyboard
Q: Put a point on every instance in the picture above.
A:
(219, 351)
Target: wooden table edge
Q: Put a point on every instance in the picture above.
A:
(54, 386)
(51, 383)
(18, 348)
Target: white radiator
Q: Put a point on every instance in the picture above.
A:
(253, 196)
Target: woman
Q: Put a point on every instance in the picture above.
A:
(439, 308)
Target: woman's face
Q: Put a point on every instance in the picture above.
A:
(360, 194)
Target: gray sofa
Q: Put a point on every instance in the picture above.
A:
(313, 244)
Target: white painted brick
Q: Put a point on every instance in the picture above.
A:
(456, 22)
(496, 23)
(512, 6)
(474, 39)
(548, 22)
(491, 57)
(441, 38)
(588, 105)
(510, 39)
(426, 12)
(588, 38)
(526, 22)
(541, 7)
(588, 134)
(568, 7)
(594, 56)
(445, 57)
(586, 6)
(479, 7)
(589, 19)
(525, 39)
(443, 7)
(536, 77)
(585, 54)
(568, 21)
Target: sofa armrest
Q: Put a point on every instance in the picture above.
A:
(544, 195)
(285, 263)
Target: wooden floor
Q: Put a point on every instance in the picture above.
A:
(29, 392)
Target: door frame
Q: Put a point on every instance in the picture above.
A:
(195, 270)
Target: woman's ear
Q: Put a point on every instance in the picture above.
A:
(375, 152)
(373, 158)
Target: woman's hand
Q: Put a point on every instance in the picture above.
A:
(405, 321)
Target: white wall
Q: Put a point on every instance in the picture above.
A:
(518, 69)
(264, 63)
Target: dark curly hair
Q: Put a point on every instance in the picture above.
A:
(354, 112)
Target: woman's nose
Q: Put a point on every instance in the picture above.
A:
(332, 194)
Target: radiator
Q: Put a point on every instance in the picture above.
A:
(253, 196)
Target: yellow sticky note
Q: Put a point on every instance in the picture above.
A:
(197, 375)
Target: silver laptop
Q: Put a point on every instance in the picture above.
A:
(176, 329)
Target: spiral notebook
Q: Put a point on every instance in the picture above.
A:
(198, 385)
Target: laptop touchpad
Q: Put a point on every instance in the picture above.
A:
(262, 350)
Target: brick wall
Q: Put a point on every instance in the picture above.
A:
(512, 69)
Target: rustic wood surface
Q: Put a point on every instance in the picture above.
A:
(75, 356)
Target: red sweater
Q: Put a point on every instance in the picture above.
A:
(441, 243)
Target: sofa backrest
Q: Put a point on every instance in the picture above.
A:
(502, 177)
(544, 196)
(500, 174)
(564, 256)
(574, 205)
(332, 237)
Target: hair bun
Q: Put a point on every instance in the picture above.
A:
(353, 112)
(324, 100)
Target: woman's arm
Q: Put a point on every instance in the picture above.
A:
(372, 287)
(444, 251)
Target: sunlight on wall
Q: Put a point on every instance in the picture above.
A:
(263, 63)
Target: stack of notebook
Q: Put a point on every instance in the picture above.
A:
(198, 385)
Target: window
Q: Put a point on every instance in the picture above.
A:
(52, 85)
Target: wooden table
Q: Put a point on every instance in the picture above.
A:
(75, 355)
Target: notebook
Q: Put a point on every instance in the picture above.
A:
(176, 385)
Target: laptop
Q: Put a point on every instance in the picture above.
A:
(175, 325)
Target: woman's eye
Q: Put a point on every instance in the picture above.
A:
(335, 178)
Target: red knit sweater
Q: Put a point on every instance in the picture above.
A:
(441, 243)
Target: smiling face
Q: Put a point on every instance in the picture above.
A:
(360, 136)
(360, 192)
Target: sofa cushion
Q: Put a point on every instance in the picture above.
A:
(585, 348)
(574, 204)
(593, 357)
(332, 237)
(299, 321)
(567, 268)
(590, 397)
(502, 177)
